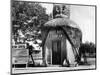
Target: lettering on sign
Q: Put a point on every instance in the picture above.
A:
(20, 46)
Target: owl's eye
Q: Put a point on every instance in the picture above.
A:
(63, 8)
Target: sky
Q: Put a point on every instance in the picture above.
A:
(84, 16)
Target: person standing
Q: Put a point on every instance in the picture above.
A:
(30, 51)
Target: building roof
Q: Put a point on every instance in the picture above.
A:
(61, 22)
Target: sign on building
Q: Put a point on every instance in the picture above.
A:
(61, 11)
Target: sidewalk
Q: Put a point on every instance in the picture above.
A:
(49, 69)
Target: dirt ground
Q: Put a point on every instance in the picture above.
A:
(90, 65)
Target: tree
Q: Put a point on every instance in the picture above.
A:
(87, 47)
(28, 17)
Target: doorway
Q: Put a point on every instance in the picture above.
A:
(56, 52)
